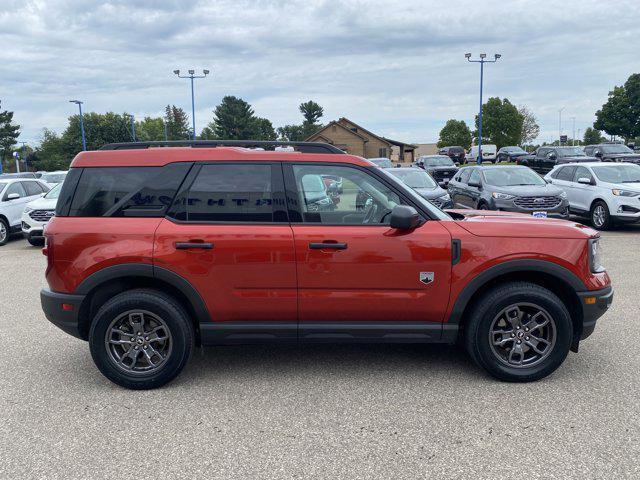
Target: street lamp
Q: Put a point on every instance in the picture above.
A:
(482, 61)
(79, 103)
(560, 126)
(191, 76)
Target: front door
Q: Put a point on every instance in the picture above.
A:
(351, 266)
(228, 235)
(13, 207)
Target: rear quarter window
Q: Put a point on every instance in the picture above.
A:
(122, 191)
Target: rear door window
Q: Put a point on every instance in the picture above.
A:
(566, 173)
(231, 193)
(464, 175)
(32, 188)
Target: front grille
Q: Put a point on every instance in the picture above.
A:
(42, 215)
(439, 174)
(538, 203)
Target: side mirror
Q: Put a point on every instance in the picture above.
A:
(404, 217)
(475, 184)
(584, 181)
(13, 196)
(553, 156)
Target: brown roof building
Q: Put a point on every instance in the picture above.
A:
(356, 140)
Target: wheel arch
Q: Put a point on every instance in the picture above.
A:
(599, 199)
(104, 284)
(561, 281)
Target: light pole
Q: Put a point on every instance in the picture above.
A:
(482, 61)
(191, 76)
(579, 130)
(24, 155)
(573, 140)
(79, 103)
(560, 126)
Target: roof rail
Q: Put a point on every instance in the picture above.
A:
(305, 147)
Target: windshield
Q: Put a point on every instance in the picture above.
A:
(616, 149)
(414, 178)
(509, 177)
(570, 152)
(53, 177)
(439, 161)
(54, 192)
(618, 173)
(381, 162)
(514, 150)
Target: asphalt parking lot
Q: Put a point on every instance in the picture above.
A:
(401, 411)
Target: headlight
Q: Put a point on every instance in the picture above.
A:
(563, 195)
(444, 198)
(28, 209)
(595, 256)
(502, 196)
(624, 193)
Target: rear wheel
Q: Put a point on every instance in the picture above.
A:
(600, 218)
(4, 231)
(141, 339)
(519, 332)
(36, 241)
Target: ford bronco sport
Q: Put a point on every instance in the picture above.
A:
(153, 251)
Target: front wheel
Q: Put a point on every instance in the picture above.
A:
(4, 232)
(600, 217)
(519, 332)
(141, 339)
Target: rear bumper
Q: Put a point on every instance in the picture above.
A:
(62, 310)
(594, 304)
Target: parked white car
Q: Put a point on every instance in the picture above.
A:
(37, 214)
(488, 153)
(15, 193)
(606, 192)
(54, 178)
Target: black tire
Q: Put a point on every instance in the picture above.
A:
(4, 232)
(489, 307)
(600, 217)
(36, 242)
(483, 206)
(164, 307)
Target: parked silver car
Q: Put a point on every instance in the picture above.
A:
(15, 193)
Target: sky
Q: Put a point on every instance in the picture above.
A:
(396, 68)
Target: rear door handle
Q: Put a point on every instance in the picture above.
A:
(190, 245)
(328, 245)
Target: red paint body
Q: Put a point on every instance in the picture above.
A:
(266, 272)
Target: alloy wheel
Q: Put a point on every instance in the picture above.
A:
(3, 232)
(138, 342)
(522, 335)
(599, 216)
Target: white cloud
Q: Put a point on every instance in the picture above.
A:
(396, 67)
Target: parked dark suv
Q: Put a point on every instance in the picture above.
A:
(440, 167)
(457, 154)
(153, 251)
(612, 152)
(548, 157)
(510, 154)
(509, 188)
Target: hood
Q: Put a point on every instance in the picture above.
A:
(546, 190)
(484, 223)
(43, 204)
(430, 193)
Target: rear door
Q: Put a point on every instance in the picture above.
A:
(351, 266)
(582, 193)
(228, 235)
(563, 178)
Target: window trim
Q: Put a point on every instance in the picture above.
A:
(295, 213)
(277, 185)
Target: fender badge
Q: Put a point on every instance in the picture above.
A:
(426, 277)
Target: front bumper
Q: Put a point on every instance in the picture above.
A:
(32, 227)
(62, 310)
(594, 304)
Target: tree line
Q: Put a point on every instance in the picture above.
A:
(503, 124)
(233, 119)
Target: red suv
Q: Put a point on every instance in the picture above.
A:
(155, 250)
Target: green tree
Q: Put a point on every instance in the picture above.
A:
(177, 122)
(530, 127)
(501, 123)
(9, 132)
(620, 115)
(455, 133)
(150, 129)
(592, 136)
(234, 119)
(99, 128)
(50, 154)
(311, 113)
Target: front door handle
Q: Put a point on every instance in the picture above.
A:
(190, 245)
(329, 244)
